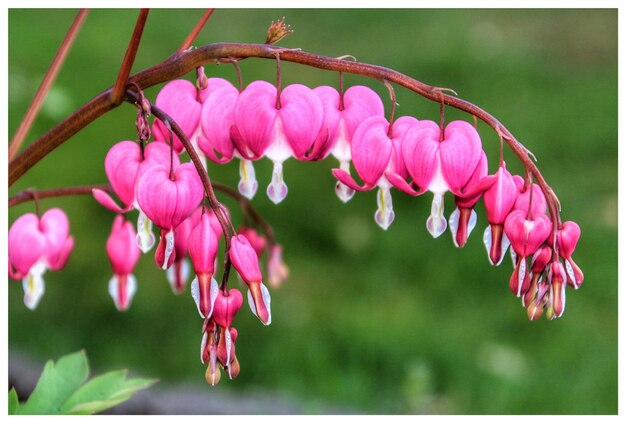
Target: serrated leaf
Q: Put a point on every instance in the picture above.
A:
(14, 402)
(104, 392)
(56, 384)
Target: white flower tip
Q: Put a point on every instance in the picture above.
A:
(277, 192)
(145, 238)
(34, 288)
(344, 193)
(436, 225)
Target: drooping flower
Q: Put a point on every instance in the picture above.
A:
(567, 238)
(526, 235)
(182, 101)
(276, 127)
(463, 218)
(438, 163)
(202, 246)
(36, 245)
(342, 117)
(224, 311)
(168, 198)
(123, 254)
(499, 200)
(178, 273)
(539, 264)
(246, 261)
(123, 166)
(376, 150)
(558, 281)
(277, 270)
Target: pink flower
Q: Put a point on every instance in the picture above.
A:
(539, 263)
(202, 246)
(124, 166)
(224, 311)
(123, 254)
(438, 163)
(277, 270)
(182, 101)
(216, 120)
(375, 151)
(499, 200)
(168, 202)
(463, 218)
(36, 245)
(263, 129)
(341, 120)
(246, 261)
(567, 238)
(526, 235)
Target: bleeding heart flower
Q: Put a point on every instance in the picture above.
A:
(202, 246)
(168, 198)
(124, 166)
(538, 265)
(263, 129)
(246, 261)
(36, 245)
(499, 200)
(178, 273)
(526, 235)
(438, 163)
(463, 218)
(342, 117)
(182, 101)
(567, 238)
(123, 254)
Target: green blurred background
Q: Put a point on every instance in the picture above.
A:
(373, 321)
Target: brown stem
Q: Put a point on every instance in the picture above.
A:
(48, 79)
(204, 177)
(117, 94)
(195, 31)
(182, 63)
(392, 96)
(27, 195)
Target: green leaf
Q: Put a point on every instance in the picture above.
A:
(14, 402)
(103, 392)
(56, 384)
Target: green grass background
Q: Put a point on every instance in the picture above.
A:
(381, 322)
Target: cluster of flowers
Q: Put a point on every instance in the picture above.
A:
(409, 155)
(308, 124)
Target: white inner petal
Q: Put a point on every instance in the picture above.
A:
(436, 223)
(277, 189)
(195, 294)
(341, 150)
(344, 192)
(248, 184)
(34, 285)
(169, 248)
(384, 214)
(145, 237)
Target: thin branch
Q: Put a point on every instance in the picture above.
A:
(195, 31)
(181, 63)
(40, 95)
(117, 95)
(27, 195)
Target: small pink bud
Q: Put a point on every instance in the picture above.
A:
(523, 201)
(557, 278)
(226, 307)
(527, 234)
(123, 254)
(202, 247)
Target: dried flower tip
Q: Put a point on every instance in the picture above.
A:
(277, 31)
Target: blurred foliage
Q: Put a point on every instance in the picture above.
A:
(63, 389)
(382, 322)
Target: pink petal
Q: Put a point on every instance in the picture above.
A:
(55, 226)
(460, 153)
(105, 200)
(400, 127)
(255, 118)
(347, 179)
(26, 243)
(301, 114)
(327, 136)
(157, 195)
(178, 99)
(420, 146)
(399, 183)
(244, 259)
(122, 247)
(226, 307)
(500, 197)
(359, 104)
(217, 117)
(189, 192)
(121, 166)
(477, 184)
(371, 149)
(202, 246)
